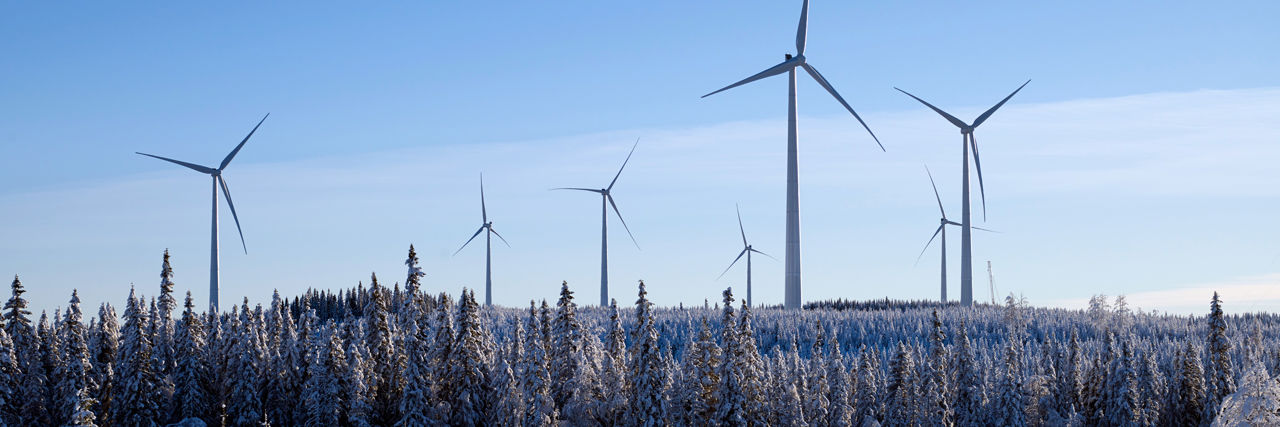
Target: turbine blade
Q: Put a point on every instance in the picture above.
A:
(193, 166)
(960, 124)
(484, 214)
(772, 71)
(495, 233)
(827, 85)
(762, 253)
(988, 113)
(226, 193)
(227, 160)
(624, 164)
(740, 229)
(935, 191)
(473, 237)
(735, 261)
(984, 229)
(977, 162)
(624, 222)
(803, 30)
(955, 223)
(926, 245)
(593, 190)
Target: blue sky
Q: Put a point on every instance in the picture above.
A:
(1140, 160)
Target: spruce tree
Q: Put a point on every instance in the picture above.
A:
(358, 409)
(566, 343)
(82, 412)
(135, 402)
(903, 390)
(938, 388)
(535, 376)
(413, 281)
(1009, 403)
(867, 389)
(163, 323)
(646, 373)
(613, 368)
(244, 381)
(468, 365)
(383, 358)
(9, 375)
(106, 333)
(1191, 389)
(191, 372)
(970, 396)
(732, 392)
(73, 375)
(1219, 372)
(322, 393)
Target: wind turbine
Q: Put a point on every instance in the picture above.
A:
(606, 200)
(485, 224)
(218, 181)
(942, 229)
(789, 65)
(966, 131)
(746, 250)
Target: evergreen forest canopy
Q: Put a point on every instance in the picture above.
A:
(379, 356)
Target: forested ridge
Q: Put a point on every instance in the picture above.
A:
(381, 355)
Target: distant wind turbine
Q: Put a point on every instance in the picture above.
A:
(942, 229)
(746, 250)
(966, 245)
(606, 200)
(485, 224)
(789, 66)
(218, 181)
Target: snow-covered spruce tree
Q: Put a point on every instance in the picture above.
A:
(613, 368)
(416, 398)
(105, 344)
(732, 393)
(1123, 407)
(413, 280)
(244, 380)
(322, 394)
(9, 392)
(790, 411)
(1152, 389)
(1190, 409)
(702, 377)
(1071, 377)
(970, 393)
(471, 360)
(584, 406)
(441, 352)
(358, 408)
(509, 407)
(842, 411)
(82, 410)
(1255, 403)
(383, 370)
(646, 372)
(903, 390)
(33, 408)
(1098, 394)
(164, 384)
(163, 323)
(753, 365)
(566, 343)
(535, 384)
(1009, 403)
(73, 374)
(938, 390)
(281, 381)
(817, 403)
(867, 388)
(191, 373)
(135, 402)
(1219, 372)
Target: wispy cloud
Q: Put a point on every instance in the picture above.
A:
(1239, 295)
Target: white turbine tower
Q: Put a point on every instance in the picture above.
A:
(746, 250)
(968, 141)
(789, 66)
(942, 229)
(218, 181)
(485, 224)
(606, 200)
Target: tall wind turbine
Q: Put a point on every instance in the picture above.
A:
(606, 200)
(218, 181)
(789, 66)
(485, 225)
(942, 229)
(746, 250)
(968, 141)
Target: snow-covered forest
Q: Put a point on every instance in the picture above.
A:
(379, 355)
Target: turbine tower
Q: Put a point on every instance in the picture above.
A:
(485, 224)
(942, 229)
(746, 250)
(789, 65)
(606, 201)
(218, 181)
(968, 141)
